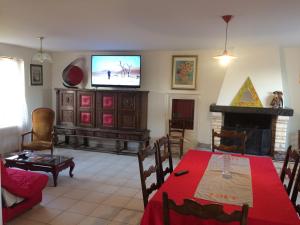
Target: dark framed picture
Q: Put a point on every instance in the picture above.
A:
(184, 72)
(36, 74)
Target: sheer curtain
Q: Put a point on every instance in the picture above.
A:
(13, 111)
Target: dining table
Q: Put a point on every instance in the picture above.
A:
(270, 202)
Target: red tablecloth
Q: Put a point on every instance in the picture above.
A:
(271, 205)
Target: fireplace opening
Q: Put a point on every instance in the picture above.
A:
(258, 128)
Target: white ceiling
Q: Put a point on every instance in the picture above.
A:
(75, 25)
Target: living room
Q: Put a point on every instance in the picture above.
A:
(262, 35)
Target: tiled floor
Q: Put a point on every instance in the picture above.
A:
(105, 190)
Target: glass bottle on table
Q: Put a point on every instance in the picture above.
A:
(226, 166)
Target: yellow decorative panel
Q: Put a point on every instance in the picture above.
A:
(247, 96)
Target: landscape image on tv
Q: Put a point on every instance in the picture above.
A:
(116, 70)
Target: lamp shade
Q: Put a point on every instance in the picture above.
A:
(42, 57)
(225, 58)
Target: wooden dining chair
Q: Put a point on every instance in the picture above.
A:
(289, 168)
(205, 212)
(295, 192)
(164, 154)
(146, 173)
(238, 138)
(176, 135)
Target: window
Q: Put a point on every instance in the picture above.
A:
(13, 111)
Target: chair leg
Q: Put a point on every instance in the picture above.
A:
(181, 149)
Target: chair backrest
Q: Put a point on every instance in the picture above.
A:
(146, 173)
(287, 171)
(239, 139)
(176, 128)
(42, 124)
(164, 153)
(295, 192)
(211, 211)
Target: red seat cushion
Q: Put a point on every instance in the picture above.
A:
(22, 183)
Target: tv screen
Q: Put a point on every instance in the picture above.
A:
(116, 70)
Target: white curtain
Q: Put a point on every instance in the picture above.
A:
(13, 111)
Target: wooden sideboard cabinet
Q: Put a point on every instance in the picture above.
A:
(116, 115)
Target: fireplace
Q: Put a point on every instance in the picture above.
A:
(266, 128)
(258, 128)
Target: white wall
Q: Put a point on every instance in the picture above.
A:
(36, 96)
(263, 67)
(156, 78)
(291, 72)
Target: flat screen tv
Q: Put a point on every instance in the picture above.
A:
(116, 71)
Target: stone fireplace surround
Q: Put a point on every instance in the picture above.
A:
(280, 118)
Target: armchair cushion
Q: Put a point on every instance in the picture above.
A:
(38, 145)
(22, 183)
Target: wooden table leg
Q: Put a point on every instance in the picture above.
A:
(55, 175)
(72, 165)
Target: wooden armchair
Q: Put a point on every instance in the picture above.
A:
(205, 212)
(237, 137)
(42, 133)
(146, 173)
(176, 135)
(291, 155)
(164, 153)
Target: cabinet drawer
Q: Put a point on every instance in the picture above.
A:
(84, 132)
(64, 131)
(130, 136)
(106, 135)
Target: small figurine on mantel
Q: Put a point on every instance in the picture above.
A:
(277, 101)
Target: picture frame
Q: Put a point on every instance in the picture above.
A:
(184, 72)
(36, 75)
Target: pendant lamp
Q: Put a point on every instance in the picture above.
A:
(41, 56)
(225, 58)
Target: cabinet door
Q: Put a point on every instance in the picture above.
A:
(66, 107)
(106, 107)
(85, 108)
(127, 111)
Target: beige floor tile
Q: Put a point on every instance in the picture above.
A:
(22, 221)
(61, 203)
(76, 194)
(117, 223)
(96, 197)
(56, 191)
(94, 221)
(135, 204)
(42, 214)
(83, 208)
(126, 191)
(105, 212)
(67, 218)
(47, 198)
(129, 216)
(106, 188)
(117, 200)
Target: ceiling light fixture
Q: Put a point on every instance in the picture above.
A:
(41, 56)
(225, 58)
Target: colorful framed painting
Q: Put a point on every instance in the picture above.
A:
(36, 74)
(184, 72)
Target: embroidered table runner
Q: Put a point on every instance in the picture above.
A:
(236, 190)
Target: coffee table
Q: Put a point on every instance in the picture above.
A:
(42, 162)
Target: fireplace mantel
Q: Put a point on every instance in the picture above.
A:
(256, 110)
